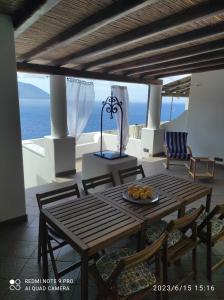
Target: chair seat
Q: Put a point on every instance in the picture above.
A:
(176, 155)
(130, 281)
(154, 231)
(217, 224)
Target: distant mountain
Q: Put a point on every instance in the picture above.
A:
(27, 90)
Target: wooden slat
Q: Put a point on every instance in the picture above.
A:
(82, 225)
(163, 44)
(87, 214)
(82, 229)
(31, 12)
(178, 63)
(194, 13)
(75, 221)
(113, 236)
(87, 26)
(86, 209)
(208, 47)
(106, 227)
(99, 234)
(96, 221)
(90, 219)
(186, 68)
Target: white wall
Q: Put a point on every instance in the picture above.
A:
(38, 163)
(12, 198)
(206, 114)
(178, 124)
(134, 146)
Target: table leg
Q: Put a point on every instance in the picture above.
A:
(141, 239)
(44, 246)
(208, 201)
(84, 278)
(181, 212)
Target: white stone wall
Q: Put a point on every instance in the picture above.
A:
(206, 114)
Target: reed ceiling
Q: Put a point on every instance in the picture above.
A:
(111, 39)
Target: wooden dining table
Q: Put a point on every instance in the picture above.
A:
(92, 223)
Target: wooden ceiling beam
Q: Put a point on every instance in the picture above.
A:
(195, 13)
(175, 84)
(31, 12)
(177, 87)
(44, 69)
(178, 63)
(215, 62)
(111, 13)
(186, 71)
(186, 95)
(188, 52)
(164, 44)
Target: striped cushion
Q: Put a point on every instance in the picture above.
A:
(177, 144)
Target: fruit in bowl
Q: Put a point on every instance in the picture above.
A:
(140, 192)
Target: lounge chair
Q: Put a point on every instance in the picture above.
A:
(176, 147)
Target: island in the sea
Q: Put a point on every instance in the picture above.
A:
(30, 91)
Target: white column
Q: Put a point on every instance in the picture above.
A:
(60, 147)
(152, 136)
(155, 100)
(58, 106)
(12, 196)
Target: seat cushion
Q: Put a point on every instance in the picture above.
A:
(130, 281)
(154, 231)
(217, 224)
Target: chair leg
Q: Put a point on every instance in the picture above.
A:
(194, 263)
(39, 245)
(209, 260)
(167, 162)
(53, 261)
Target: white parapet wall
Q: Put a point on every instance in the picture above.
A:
(178, 124)
(38, 159)
(37, 162)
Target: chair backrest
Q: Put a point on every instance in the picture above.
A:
(57, 194)
(186, 221)
(217, 211)
(176, 142)
(94, 182)
(130, 172)
(139, 257)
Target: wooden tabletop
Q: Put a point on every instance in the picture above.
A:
(173, 194)
(96, 221)
(90, 224)
(186, 191)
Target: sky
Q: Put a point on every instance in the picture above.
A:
(137, 92)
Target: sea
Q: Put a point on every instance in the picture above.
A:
(35, 116)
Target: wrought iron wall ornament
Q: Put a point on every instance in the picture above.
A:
(111, 105)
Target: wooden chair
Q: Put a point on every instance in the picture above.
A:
(49, 198)
(94, 182)
(211, 231)
(124, 273)
(186, 243)
(130, 172)
(176, 147)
